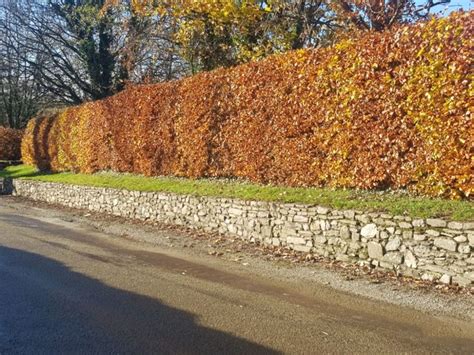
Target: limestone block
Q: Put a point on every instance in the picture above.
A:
(410, 260)
(375, 250)
(393, 244)
(393, 258)
(369, 230)
(436, 222)
(447, 244)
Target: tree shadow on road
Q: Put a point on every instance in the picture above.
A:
(45, 307)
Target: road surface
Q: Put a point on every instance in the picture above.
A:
(66, 288)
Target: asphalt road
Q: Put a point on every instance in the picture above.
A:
(65, 288)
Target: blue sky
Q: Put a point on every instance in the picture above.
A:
(453, 6)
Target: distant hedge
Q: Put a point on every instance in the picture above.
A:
(10, 143)
(389, 110)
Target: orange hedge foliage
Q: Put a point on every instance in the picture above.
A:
(10, 143)
(388, 110)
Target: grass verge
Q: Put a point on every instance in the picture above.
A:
(396, 204)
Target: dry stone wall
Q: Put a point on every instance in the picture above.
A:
(423, 248)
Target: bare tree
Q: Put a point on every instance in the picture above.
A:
(146, 48)
(74, 45)
(379, 15)
(311, 22)
(79, 50)
(20, 93)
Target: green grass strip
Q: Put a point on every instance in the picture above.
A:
(393, 203)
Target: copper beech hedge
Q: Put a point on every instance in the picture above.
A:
(10, 143)
(388, 110)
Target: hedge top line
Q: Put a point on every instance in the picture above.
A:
(389, 110)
